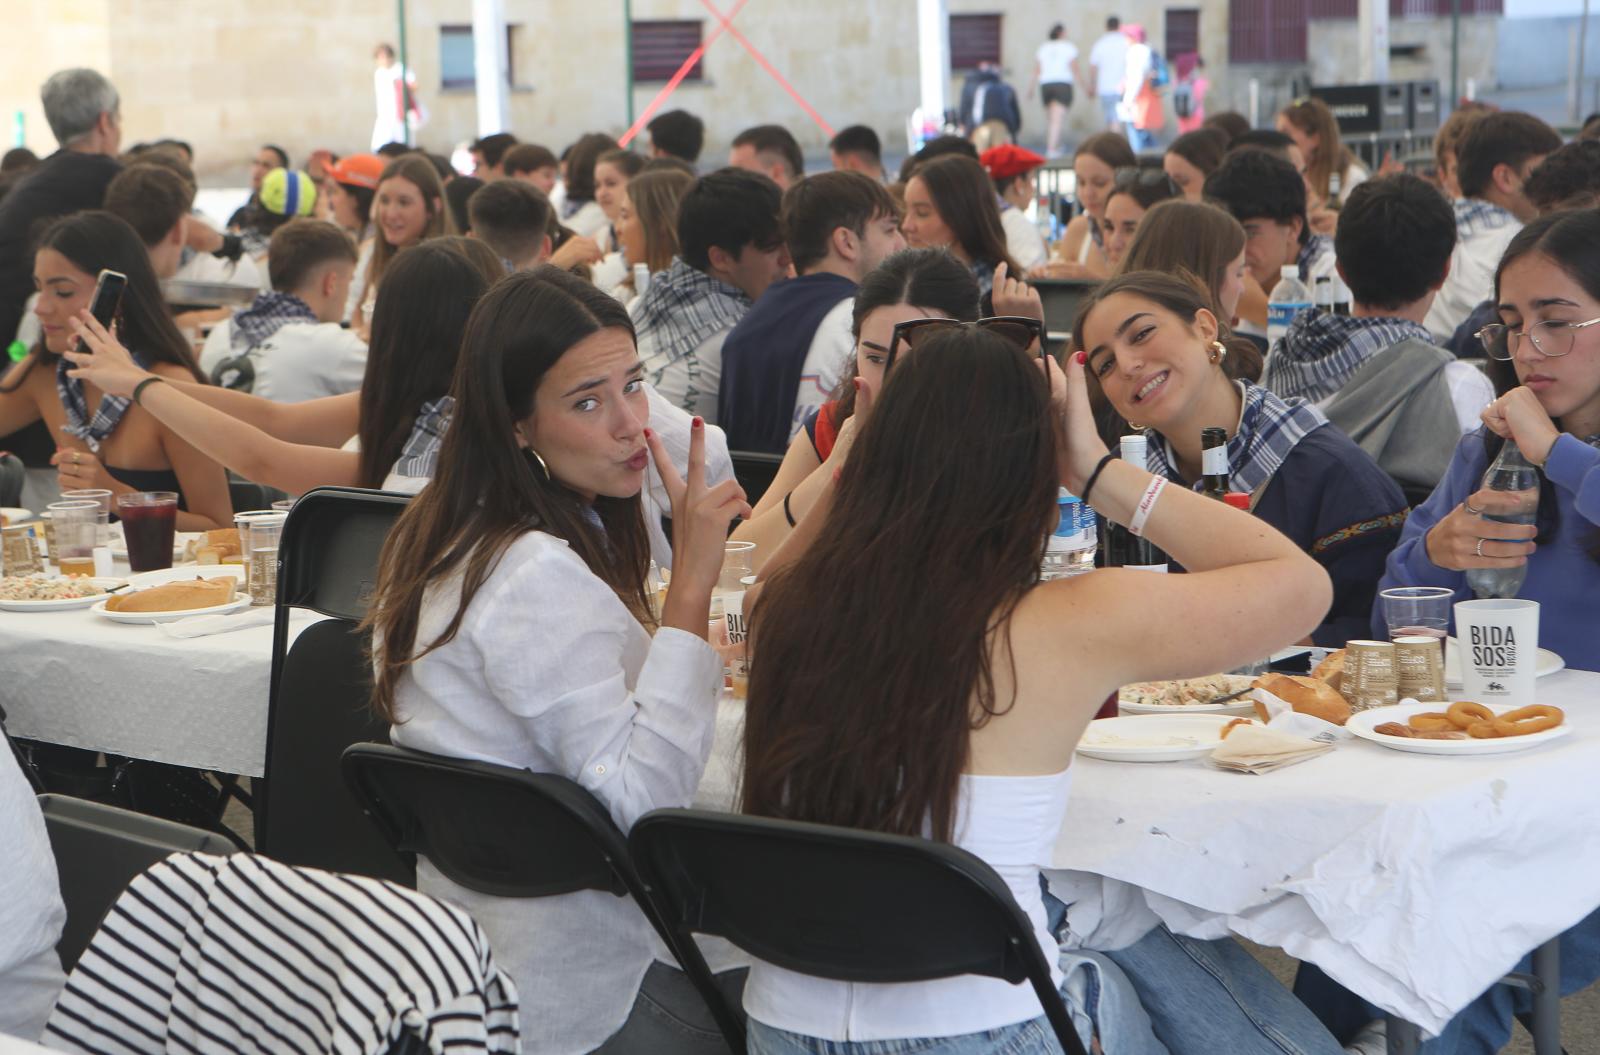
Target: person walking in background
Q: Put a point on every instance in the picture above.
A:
(985, 97)
(395, 92)
(1189, 95)
(1141, 103)
(1055, 70)
(1108, 58)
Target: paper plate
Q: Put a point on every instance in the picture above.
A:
(151, 618)
(188, 571)
(63, 604)
(1548, 662)
(1131, 700)
(1362, 722)
(14, 515)
(145, 580)
(1153, 737)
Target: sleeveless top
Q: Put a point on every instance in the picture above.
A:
(1012, 824)
(822, 426)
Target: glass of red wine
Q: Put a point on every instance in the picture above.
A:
(149, 519)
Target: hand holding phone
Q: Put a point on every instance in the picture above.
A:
(108, 289)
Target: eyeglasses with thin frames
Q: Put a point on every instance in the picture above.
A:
(1552, 337)
(1019, 330)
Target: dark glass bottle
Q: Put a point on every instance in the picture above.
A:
(1214, 462)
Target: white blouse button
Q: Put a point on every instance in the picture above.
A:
(600, 770)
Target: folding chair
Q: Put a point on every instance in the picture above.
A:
(755, 471)
(512, 833)
(98, 851)
(1543, 1024)
(321, 686)
(836, 903)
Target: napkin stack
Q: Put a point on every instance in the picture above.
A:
(1259, 749)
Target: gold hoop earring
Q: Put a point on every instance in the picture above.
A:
(1219, 351)
(536, 457)
(1135, 426)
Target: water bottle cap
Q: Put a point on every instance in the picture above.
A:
(1289, 271)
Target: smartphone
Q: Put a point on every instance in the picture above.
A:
(107, 300)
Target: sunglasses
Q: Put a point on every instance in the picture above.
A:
(914, 333)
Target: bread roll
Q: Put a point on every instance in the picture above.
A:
(216, 547)
(1305, 695)
(1331, 670)
(180, 596)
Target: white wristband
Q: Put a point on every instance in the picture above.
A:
(1147, 502)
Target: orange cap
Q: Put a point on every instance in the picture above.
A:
(358, 170)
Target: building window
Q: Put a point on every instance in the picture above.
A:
(974, 39)
(660, 47)
(1267, 31)
(458, 63)
(1183, 32)
(1407, 8)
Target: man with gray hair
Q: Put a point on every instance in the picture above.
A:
(84, 112)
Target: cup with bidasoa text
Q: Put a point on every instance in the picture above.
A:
(1499, 639)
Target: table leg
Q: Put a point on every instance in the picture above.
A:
(1547, 998)
(1404, 1038)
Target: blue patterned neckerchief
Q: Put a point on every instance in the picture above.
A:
(107, 416)
(1269, 428)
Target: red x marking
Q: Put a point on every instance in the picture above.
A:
(724, 22)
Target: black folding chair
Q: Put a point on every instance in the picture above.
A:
(321, 686)
(755, 470)
(512, 833)
(13, 474)
(836, 903)
(1062, 298)
(99, 849)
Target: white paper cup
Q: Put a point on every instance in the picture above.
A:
(1499, 650)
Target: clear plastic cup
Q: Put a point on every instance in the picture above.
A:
(1418, 611)
(77, 530)
(259, 533)
(149, 519)
(95, 494)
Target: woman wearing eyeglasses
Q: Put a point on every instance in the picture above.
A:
(1159, 360)
(1136, 192)
(912, 284)
(1544, 360)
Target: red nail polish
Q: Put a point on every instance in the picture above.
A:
(699, 421)
(1081, 357)
(648, 434)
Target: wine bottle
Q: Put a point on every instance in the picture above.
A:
(1322, 297)
(1123, 548)
(1214, 462)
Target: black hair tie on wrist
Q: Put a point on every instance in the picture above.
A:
(138, 389)
(786, 514)
(1095, 476)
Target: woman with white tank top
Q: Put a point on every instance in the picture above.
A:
(912, 676)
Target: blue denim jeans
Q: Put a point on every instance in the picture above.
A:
(1108, 109)
(1484, 1026)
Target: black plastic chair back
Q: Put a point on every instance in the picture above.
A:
(512, 833)
(99, 849)
(321, 686)
(755, 471)
(841, 904)
(13, 474)
(1062, 298)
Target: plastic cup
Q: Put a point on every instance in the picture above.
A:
(95, 494)
(149, 519)
(259, 533)
(1499, 650)
(1417, 611)
(77, 530)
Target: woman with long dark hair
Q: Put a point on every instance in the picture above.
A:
(103, 439)
(912, 676)
(1095, 164)
(950, 204)
(512, 623)
(579, 210)
(411, 358)
(1158, 356)
(911, 284)
(1136, 192)
(1544, 360)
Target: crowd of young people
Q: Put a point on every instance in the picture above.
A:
(562, 386)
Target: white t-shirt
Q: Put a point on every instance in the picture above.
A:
(589, 220)
(301, 361)
(1108, 57)
(828, 360)
(31, 911)
(1135, 68)
(358, 280)
(1055, 61)
(1023, 240)
(691, 381)
(203, 267)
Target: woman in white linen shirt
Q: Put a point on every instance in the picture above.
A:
(512, 624)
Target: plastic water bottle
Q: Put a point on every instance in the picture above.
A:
(641, 279)
(1289, 298)
(1509, 472)
(1070, 549)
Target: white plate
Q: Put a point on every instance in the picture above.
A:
(150, 618)
(1362, 722)
(188, 571)
(1243, 706)
(1548, 662)
(63, 604)
(14, 515)
(1153, 737)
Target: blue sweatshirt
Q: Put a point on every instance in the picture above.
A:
(1562, 575)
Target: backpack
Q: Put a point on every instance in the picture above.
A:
(1183, 99)
(1160, 74)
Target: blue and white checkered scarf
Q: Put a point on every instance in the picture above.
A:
(1321, 352)
(420, 456)
(682, 309)
(270, 313)
(1269, 428)
(107, 416)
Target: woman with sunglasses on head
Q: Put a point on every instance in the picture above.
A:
(1136, 192)
(1158, 356)
(951, 204)
(911, 284)
(1081, 251)
(943, 693)
(512, 623)
(1544, 360)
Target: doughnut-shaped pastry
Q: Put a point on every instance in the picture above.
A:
(1431, 722)
(1466, 714)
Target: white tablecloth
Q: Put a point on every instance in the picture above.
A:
(1414, 880)
(78, 679)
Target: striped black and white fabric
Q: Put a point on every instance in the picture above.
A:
(243, 954)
